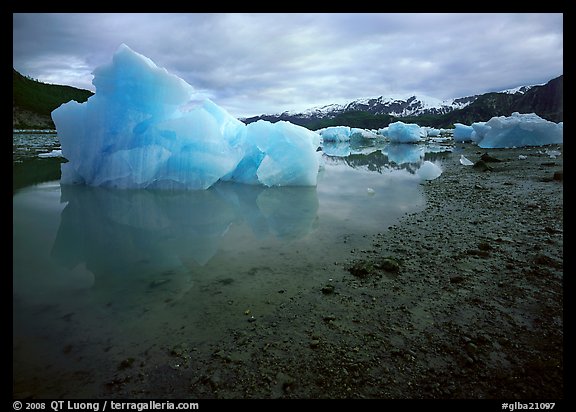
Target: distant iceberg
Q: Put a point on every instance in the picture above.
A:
(517, 130)
(400, 132)
(462, 132)
(358, 133)
(147, 128)
(344, 134)
(335, 133)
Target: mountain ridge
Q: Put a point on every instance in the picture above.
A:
(33, 101)
(543, 99)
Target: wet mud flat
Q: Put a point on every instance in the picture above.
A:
(461, 300)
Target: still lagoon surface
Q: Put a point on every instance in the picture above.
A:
(103, 275)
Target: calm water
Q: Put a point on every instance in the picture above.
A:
(100, 275)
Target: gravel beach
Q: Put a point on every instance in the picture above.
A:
(463, 300)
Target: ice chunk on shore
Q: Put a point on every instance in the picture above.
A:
(53, 153)
(465, 161)
(147, 128)
(518, 130)
(400, 132)
(429, 170)
(553, 153)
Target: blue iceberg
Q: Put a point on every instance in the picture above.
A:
(518, 130)
(147, 128)
(335, 133)
(400, 132)
(462, 132)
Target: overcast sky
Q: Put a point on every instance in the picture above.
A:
(252, 64)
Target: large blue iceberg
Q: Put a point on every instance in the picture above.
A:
(147, 128)
(517, 130)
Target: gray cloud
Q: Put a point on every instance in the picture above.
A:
(267, 63)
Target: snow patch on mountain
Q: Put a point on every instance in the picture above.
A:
(400, 106)
(520, 89)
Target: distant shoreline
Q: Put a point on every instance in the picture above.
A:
(48, 131)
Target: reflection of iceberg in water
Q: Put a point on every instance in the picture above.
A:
(285, 212)
(382, 155)
(337, 149)
(346, 148)
(401, 153)
(111, 230)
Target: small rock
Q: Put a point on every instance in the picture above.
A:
(481, 253)
(126, 363)
(328, 289)
(390, 265)
(180, 350)
(544, 260)
(362, 269)
(158, 282)
(329, 318)
(484, 246)
(482, 166)
(471, 348)
(285, 381)
(314, 343)
(487, 158)
(457, 279)
(551, 230)
(251, 319)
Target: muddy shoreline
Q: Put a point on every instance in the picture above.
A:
(463, 300)
(473, 310)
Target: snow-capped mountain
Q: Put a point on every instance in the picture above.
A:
(394, 106)
(357, 111)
